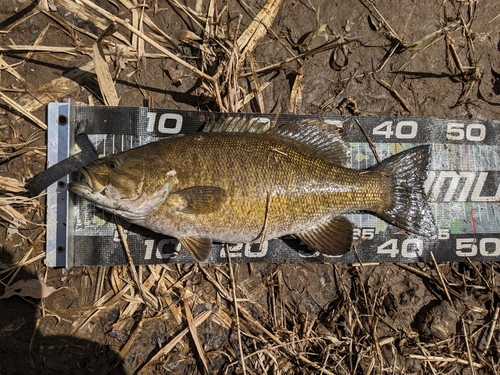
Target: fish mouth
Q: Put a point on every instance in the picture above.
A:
(87, 190)
(88, 184)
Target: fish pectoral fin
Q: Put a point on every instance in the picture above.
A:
(332, 238)
(199, 248)
(200, 199)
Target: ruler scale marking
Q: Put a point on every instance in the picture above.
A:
(462, 187)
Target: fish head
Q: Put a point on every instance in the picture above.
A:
(130, 185)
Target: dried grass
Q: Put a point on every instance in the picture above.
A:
(353, 337)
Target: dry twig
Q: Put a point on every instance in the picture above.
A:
(236, 310)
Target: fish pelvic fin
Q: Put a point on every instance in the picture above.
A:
(198, 248)
(331, 238)
(408, 208)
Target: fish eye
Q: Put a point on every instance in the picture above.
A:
(112, 165)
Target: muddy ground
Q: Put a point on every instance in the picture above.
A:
(292, 318)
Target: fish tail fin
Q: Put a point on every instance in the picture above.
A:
(408, 208)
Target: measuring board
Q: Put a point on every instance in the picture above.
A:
(463, 189)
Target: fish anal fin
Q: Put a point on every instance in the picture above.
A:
(331, 238)
(199, 199)
(199, 248)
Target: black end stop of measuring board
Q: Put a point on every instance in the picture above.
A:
(42, 180)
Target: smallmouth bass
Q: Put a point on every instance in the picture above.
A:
(244, 187)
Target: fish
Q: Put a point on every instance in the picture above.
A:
(246, 183)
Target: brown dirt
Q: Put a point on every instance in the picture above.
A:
(294, 318)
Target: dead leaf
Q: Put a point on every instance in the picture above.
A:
(259, 26)
(28, 288)
(12, 229)
(188, 37)
(296, 93)
(175, 75)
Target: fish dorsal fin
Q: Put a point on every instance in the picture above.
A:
(327, 138)
(238, 124)
(199, 248)
(199, 199)
(331, 238)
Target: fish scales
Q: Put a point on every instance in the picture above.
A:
(254, 169)
(248, 187)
